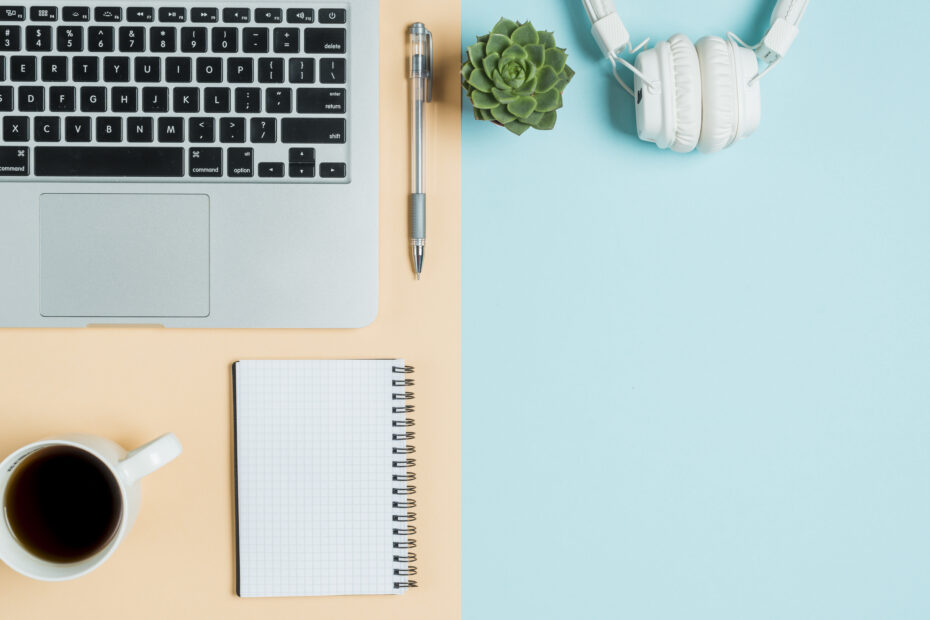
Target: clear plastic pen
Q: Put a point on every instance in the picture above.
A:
(421, 92)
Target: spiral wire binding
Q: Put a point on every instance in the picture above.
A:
(403, 503)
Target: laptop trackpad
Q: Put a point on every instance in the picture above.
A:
(125, 255)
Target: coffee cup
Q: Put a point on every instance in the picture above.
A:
(69, 501)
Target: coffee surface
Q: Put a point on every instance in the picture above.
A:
(62, 504)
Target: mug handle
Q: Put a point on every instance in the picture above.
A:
(152, 456)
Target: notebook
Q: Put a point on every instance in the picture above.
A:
(323, 477)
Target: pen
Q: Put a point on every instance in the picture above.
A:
(421, 92)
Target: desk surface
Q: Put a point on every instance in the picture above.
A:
(133, 384)
(709, 393)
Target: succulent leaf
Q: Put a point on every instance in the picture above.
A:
(502, 115)
(515, 76)
(522, 107)
(483, 101)
(547, 79)
(504, 27)
(490, 63)
(546, 39)
(504, 96)
(476, 53)
(497, 43)
(556, 58)
(481, 81)
(537, 54)
(547, 101)
(525, 35)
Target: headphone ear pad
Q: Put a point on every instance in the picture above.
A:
(686, 83)
(720, 105)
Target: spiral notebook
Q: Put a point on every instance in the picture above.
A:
(323, 471)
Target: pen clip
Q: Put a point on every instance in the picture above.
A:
(429, 74)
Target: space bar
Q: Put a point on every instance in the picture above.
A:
(109, 161)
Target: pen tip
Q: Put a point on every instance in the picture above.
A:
(418, 277)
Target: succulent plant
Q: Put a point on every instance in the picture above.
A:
(515, 76)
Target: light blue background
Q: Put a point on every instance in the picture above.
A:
(697, 386)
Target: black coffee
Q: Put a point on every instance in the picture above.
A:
(62, 504)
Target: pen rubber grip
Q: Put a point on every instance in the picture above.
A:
(418, 216)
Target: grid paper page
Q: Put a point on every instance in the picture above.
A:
(314, 487)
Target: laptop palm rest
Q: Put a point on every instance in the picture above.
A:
(125, 255)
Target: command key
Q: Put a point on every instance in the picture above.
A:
(14, 161)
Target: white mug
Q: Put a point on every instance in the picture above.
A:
(127, 470)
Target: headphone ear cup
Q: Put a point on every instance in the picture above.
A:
(720, 103)
(686, 83)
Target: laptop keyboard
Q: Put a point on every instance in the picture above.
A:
(200, 93)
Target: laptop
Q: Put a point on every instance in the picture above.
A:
(189, 164)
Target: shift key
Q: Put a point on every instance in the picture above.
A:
(14, 161)
(313, 130)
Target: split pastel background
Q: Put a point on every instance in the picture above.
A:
(697, 387)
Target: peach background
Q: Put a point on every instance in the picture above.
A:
(131, 384)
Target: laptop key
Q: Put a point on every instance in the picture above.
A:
(148, 69)
(321, 101)
(263, 130)
(240, 70)
(12, 14)
(132, 39)
(93, 99)
(194, 40)
(187, 100)
(271, 169)
(124, 99)
(23, 68)
(332, 171)
(171, 129)
(6, 98)
(301, 70)
(14, 161)
(232, 130)
(16, 129)
(332, 16)
(269, 16)
(248, 100)
(216, 100)
(31, 99)
(48, 129)
(38, 38)
(75, 14)
(108, 14)
(178, 69)
(286, 40)
(54, 69)
(325, 40)
(10, 38)
(43, 14)
(333, 71)
(116, 69)
(109, 129)
(255, 40)
(278, 101)
(100, 39)
(233, 16)
(225, 40)
(154, 99)
(302, 171)
(172, 14)
(109, 161)
(140, 14)
(300, 16)
(240, 162)
(61, 99)
(210, 70)
(164, 40)
(139, 129)
(313, 131)
(205, 15)
(77, 129)
(206, 162)
(70, 39)
(201, 130)
(271, 70)
(84, 68)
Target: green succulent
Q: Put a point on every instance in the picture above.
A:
(515, 76)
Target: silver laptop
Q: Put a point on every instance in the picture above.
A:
(189, 164)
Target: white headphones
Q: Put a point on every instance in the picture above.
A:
(704, 95)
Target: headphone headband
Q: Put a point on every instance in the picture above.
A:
(612, 36)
